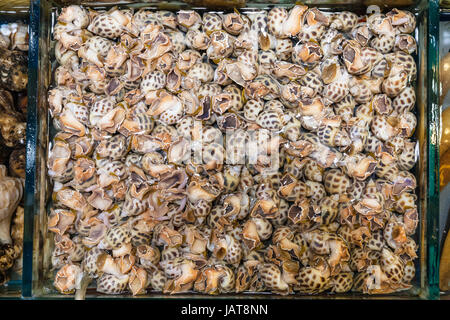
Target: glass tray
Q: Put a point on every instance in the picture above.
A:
(444, 48)
(16, 10)
(38, 284)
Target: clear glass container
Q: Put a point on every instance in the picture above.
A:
(43, 16)
(444, 240)
(12, 11)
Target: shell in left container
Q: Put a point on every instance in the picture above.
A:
(13, 114)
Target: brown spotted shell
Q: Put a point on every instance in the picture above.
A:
(229, 152)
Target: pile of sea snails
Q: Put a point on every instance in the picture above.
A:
(13, 113)
(326, 98)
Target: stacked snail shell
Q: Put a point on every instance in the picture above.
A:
(13, 100)
(154, 189)
(11, 238)
(13, 82)
(13, 56)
